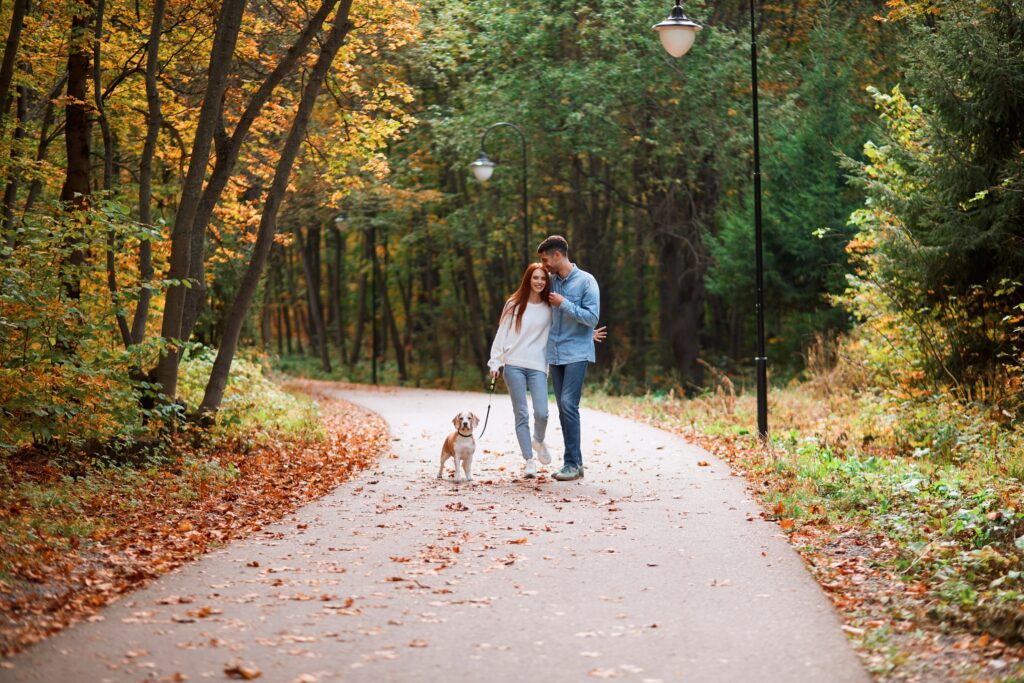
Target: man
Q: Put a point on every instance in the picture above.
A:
(575, 307)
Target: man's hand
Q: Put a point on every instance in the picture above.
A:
(494, 374)
(601, 333)
(555, 299)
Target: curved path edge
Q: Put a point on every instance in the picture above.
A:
(653, 568)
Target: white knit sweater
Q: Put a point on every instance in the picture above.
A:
(526, 348)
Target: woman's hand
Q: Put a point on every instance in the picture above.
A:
(601, 333)
(495, 373)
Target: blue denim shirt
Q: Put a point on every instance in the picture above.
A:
(572, 324)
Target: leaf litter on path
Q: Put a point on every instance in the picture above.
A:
(135, 545)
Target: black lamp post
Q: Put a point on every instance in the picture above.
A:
(677, 34)
(483, 168)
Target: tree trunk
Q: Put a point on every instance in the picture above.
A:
(431, 288)
(154, 119)
(294, 300)
(380, 290)
(76, 189)
(683, 267)
(337, 296)
(494, 293)
(229, 23)
(11, 191)
(392, 326)
(681, 290)
(405, 296)
(313, 245)
(640, 327)
(475, 322)
(36, 185)
(268, 220)
(97, 90)
(265, 313)
(286, 324)
(357, 340)
(11, 53)
(299, 325)
(313, 295)
(280, 329)
(227, 151)
(108, 172)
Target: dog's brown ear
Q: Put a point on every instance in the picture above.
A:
(475, 419)
(455, 421)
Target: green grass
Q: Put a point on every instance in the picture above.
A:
(252, 402)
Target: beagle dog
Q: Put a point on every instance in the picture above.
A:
(460, 446)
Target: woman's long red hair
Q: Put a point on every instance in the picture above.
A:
(516, 304)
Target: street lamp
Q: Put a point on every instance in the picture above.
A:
(483, 168)
(677, 34)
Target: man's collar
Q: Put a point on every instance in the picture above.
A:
(567, 275)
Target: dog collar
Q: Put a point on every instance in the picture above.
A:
(461, 434)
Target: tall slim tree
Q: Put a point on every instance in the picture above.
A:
(228, 150)
(154, 118)
(239, 309)
(77, 187)
(18, 13)
(229, 23)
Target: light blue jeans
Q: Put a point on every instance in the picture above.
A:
(567, 381)
(518, 380)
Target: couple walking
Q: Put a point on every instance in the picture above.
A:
(548, 324)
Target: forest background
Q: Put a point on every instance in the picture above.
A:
(196, 190)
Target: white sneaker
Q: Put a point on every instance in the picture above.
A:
(531, 469)
(542, 452)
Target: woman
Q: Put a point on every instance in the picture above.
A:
(520, 345)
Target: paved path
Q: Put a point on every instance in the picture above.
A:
(651, 569)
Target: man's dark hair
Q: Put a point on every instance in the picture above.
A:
(554, 243)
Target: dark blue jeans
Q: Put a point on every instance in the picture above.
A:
(567, 381)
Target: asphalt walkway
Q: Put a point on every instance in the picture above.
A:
(652, 568)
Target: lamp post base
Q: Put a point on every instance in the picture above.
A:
(762, 397)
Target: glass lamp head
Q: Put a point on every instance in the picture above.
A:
(482, 168)
(677, 32)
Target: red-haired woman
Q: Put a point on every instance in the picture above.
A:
(520, 346)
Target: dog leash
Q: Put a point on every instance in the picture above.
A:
(494, 381)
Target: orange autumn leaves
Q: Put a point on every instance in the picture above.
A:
(259, 477)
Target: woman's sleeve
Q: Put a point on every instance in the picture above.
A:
(500, 343)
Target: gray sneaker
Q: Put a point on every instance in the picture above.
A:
(542, 451)
(568, 473)
(530, 472)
